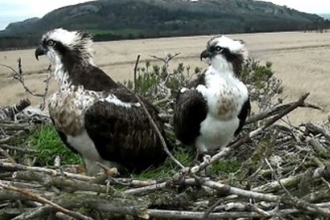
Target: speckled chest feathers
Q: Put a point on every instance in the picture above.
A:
(67, 108)
(225, 94)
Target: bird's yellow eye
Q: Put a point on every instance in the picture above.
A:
(218, 49)
(50, 43)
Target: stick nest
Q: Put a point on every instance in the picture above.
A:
(282, 170)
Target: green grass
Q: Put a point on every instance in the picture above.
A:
(49, 145)
(186, 157)
(225, 166)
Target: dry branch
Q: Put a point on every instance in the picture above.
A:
(34, 197)
(19, 76)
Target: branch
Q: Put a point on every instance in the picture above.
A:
(277, 110)
(135, 69)
(20, 167)
(168, 57)
(34, 197)
(19, 76)
(163, 142)
(293, 180)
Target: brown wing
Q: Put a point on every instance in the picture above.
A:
(245, 111)
(190, 111)
(125, 135)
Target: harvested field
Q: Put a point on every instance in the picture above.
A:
(300, 60)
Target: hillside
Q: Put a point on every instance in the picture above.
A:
(119, 19)
(326, 16)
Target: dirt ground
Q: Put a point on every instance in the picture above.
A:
(300, 60)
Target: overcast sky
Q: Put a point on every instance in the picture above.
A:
(18, 10)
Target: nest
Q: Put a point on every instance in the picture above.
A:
(283, 172)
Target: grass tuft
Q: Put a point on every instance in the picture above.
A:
(185, 156)
(49, 145)
(225, 166)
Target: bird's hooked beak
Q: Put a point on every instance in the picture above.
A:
(40, 51)
(205, 54)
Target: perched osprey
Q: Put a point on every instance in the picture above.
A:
(214, 107)
(94, 116)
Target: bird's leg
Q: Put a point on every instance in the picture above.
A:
(92, 169)
(99, 167)
(199, 157)
(202, 157)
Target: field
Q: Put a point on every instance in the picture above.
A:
(300, 60)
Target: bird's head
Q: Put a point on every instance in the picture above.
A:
(66, 47)
(226, 54)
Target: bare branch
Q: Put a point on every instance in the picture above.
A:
(45, 201)
(159, 134)
(135, 69)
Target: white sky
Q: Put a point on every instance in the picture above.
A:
(310, 6)
(18, 10)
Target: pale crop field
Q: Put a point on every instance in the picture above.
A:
(300, 60)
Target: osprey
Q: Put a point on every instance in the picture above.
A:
(215, 106)
(94, 116)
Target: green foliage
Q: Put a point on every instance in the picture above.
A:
(225, 166)
(185, 156)
(49, 145)
(261, 81)
(197, 70)
(254, 73)
(148, 79)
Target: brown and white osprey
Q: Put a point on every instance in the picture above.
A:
(94, 116)
(213, 109)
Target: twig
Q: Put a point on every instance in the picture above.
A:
(292, 180)
(19, 76)
(199, 215)
(290, 108)
(146, 189)
(5, 153)
(316, 129)
(268, 197)
(276, 110)
(135, 69)
(45, 201)
(162, 140)
(47, 82)
(211, 209)
(168, 57)
(20, 167)
(21, 149)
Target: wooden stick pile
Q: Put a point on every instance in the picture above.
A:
(285, 177)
